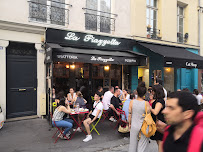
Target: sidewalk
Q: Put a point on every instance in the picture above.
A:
(35, 135)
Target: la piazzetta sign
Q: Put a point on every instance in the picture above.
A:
(90, 38)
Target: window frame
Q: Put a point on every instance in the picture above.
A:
(179, 16)
(154, 9)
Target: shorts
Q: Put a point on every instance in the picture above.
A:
(92, 117)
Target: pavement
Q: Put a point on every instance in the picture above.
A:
(35, 135)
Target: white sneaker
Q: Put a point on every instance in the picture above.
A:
(111, 119)
(78, 129)
(88, 138)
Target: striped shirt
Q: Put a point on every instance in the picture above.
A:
(58, 115)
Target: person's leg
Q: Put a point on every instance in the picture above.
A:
(87, 126)
(159, 142)
(65, 124)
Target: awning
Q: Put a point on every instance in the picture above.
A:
(55, 52)
(176, 56)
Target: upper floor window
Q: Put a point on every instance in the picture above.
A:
(180, 21)
(151, 21)
(98, 16)
(49, 11)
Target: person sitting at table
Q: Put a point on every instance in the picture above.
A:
(94, 115)
(125, 95)
(126, 106)
(82, 102)
(115, 103)
(59, 112)
(71, 95)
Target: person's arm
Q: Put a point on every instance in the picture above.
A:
(85, 101)
(148, 107)
(130, 113)
(157, 108)
(114, 109)
(73, 100)
(68, 97)
(66, 110)
(97, 114)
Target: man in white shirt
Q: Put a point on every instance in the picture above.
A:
(94, 115)
(198, 96)
(107, 98)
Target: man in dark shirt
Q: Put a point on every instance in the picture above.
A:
(115, 103)
(181, 109)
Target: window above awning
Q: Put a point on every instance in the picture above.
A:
(55, 52)
(176, 56)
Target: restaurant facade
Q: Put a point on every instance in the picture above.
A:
(85, 61)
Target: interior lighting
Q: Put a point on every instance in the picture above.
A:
(72, 66)
(106, 68)
(67, 66)
(168, 69)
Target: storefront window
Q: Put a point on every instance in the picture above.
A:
(157, 74)
(169, 79)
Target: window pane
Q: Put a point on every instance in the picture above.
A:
(180, 21)
(151, 14)
(91, 16)
(105, 21)
(180, 29)
(154, 24)
(147, 13)
(154, 3)
(148, 2)
(147, 21)
(106, 6)
(91, 4)
(180, 10)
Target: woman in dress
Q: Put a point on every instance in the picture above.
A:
(59, 112)
(125, 96)
(157, 107)
(135, 118)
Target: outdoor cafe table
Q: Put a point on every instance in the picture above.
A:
(74, 113)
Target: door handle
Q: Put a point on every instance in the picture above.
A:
(21, 89)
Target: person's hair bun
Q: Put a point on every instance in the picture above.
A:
(141, 84)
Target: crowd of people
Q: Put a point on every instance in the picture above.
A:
(176, 114)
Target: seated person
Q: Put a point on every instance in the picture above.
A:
(126, 106)
(59, 112)
(94, 115)
(115, 103)
(107, 98)
(71, 95)
(79, 99)
(100, 92)
(125, 96)
(82, 104)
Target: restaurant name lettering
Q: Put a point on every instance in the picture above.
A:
(90, 38)
(67, 57)
(93, 58)
(191, 64)
(130, 60)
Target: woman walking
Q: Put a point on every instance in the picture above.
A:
(157, 107)
(135, 118)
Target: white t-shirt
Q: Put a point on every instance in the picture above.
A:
(99, 106)
(165, 92)
(70, 96)
(199, 98)
(107, 99)
(127, 97)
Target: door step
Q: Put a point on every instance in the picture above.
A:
(22, 118)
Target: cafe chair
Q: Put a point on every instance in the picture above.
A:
(58, 130)
(105, 115)
(119, 118)
(94, 125)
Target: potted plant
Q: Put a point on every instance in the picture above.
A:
(1, 118)
(148, 28)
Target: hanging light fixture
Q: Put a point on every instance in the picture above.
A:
(67, 66)
(106, 68)
(72, 66)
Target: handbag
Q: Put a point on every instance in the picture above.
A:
(123, 129)
(148, 126)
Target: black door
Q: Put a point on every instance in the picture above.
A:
(21, 80)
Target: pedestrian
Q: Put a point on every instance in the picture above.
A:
(135, 119)
(185, 130)
(160, 82)
(126, 106)
(198, 96)
(157, 107)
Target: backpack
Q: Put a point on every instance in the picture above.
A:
(196, 137)
(148, 126)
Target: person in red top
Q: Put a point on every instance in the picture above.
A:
(185, 130)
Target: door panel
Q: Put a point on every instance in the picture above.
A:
(21, 86)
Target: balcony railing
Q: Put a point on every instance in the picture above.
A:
(49, 11)
(182, 38)
(99, 21)
(153, 33)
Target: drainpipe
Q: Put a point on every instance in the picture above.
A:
(199, 41)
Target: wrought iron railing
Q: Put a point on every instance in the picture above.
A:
(49, 11)
(99, 21)
(153, 33)
(182, 38)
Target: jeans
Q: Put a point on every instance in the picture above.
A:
(66, 123)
